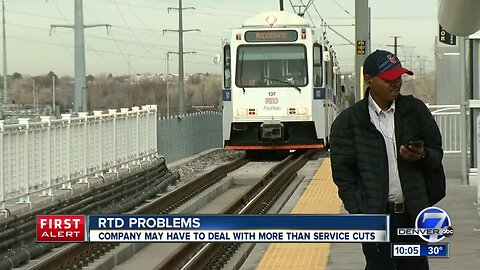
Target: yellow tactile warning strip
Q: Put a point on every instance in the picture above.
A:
(320, 197)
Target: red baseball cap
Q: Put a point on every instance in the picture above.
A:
(385, 65)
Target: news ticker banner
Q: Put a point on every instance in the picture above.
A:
(421, 250)
(213, 228)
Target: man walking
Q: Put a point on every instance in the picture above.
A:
(380, 149)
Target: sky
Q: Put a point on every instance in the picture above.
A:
(136, 42)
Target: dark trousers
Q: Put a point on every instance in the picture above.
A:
(378, 255)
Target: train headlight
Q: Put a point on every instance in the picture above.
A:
(270, 20)
(242, 111)
(302, 110)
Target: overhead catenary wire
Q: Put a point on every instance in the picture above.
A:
(331, 28)
(344, 9)
(311, 19)
(321, 18)
(138, 30)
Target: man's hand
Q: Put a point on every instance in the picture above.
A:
(412, 153)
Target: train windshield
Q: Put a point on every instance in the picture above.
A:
(271, 66)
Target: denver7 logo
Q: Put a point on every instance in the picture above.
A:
(435, 224)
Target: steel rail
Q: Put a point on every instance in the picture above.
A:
(81, 254)
(215, 255)
(177, 197)
(21, 239)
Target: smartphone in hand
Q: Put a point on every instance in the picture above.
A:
(416, 143)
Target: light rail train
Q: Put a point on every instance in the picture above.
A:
(281, 84)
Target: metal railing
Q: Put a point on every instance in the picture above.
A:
(448, 121)
(36, 157)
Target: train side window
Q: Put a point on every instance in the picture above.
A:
(227, 70)
(317, 65)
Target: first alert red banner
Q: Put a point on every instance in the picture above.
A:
(61, 228)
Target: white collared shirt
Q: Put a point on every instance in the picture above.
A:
(384, 121)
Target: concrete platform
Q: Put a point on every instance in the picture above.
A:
(464, 244)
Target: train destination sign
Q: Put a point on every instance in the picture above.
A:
(271, 36)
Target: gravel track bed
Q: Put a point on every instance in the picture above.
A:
(205, 163)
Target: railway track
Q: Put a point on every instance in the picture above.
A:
(78, 255)
(17, 237)
(256, 200)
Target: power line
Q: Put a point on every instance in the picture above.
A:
(32, 14)
(92, 14)
(329, 27)
(311, 19)
(131, 31)
(121, 52)
(344, 9)
(111, 52)
(63, 43)
(414, 17)
(59, 11)
(122, 48)
(108, 38)
(114, 26)
(135, 14)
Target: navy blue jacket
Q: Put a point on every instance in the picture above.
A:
(359, 158)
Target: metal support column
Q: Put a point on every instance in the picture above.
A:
(362, 39)
(463, 110)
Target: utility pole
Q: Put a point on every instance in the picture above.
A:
(167, 54)
(181, 106)
(167, 77)
(53, 95)
(80, 90)
(421, 65)
(281, 5)
(34, 90)
(408, 52)
(5, 75)
(395, 45)
(129, 72)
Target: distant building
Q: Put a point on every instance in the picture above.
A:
(149, 77)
